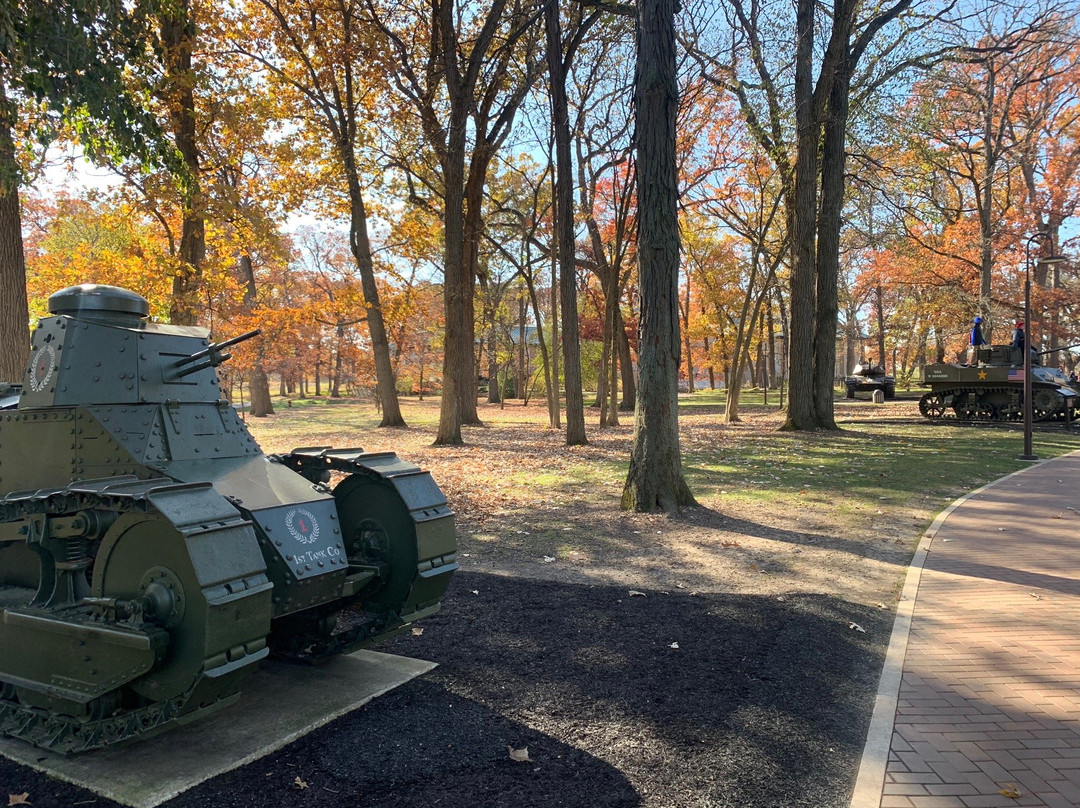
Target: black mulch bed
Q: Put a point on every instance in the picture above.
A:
(763, 704)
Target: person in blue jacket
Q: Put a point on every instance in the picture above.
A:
(975, 341)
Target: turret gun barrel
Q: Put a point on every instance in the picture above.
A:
(211, 356)
(1055, 350)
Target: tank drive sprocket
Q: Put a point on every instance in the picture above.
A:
(133, 650)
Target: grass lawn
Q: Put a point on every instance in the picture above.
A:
(838, 512)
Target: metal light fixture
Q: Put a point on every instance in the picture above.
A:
(1049, 259)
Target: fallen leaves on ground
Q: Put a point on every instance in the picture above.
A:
(417, 631)
(856, 627)
(300, 782)
(19, 799)
(1010, 791)
(520, 755)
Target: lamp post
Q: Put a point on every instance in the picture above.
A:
(1050, 259)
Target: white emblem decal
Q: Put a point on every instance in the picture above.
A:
(43, 368)
(302, 525)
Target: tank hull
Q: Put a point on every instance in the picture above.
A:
(153, 556)
(993, 389)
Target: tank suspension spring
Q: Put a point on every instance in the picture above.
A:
(77, 550)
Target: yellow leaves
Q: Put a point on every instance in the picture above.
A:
(91, 240)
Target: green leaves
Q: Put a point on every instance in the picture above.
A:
(78, 60)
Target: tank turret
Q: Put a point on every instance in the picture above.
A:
(151, 552)
(992, 389)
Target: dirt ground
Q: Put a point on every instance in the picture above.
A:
(727, 658)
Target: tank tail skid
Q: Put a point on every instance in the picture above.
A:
(400, 538)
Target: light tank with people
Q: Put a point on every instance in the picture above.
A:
(151, 556)
(991, 388)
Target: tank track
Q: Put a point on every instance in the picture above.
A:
(69, 735)
(314, 463)
(59, 733)
(931, 406)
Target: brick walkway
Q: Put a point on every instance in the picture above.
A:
(988, 709)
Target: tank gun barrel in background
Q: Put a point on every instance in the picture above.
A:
(211, 356)
(1055, 350)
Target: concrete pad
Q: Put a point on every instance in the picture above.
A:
(280, 703)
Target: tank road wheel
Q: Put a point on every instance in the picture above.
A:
(850, 392)
(931, 405)
(890, 392)
(1044, 404)
(215, 629)
(965, 407)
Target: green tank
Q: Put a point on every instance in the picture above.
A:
(992, 389)
(152, 556)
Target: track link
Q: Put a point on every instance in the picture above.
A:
(932, 405)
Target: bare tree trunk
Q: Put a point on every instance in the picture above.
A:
(14, 312)
(458, 372)
(259, 383)
(602, 371)
(613, 383)
(801, 390)
(335, 382)
(178, 41)
(686, 337)
(564, 219)
(828, 250)
(626, 367)
(473, 223)
(655, 480)
(545, 358)
(361, 250)
(986, 224)
(494, 391)
(554, 404)
(881, 323)
(520, 378)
